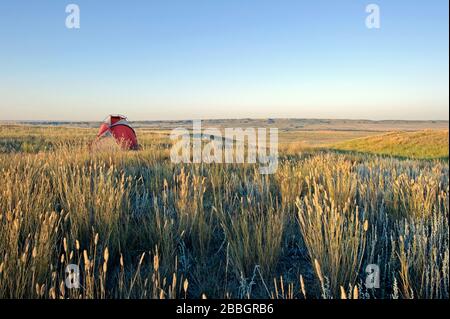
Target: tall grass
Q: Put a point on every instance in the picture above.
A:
(141, 227)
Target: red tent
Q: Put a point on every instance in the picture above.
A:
(117, 126)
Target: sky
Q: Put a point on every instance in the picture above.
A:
(200, 59)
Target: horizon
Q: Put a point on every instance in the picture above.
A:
(228, 119)
(174, 60)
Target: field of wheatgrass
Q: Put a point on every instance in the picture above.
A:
(141, 227)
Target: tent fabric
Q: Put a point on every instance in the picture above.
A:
(117, 126)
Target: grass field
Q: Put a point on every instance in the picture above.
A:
(426, 144)
(140, 226)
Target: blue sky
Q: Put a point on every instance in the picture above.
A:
(179, 59)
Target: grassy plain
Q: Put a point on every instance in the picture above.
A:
(140, 226)
(427, 144)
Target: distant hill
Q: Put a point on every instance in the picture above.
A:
(284, 124)
(426, 144)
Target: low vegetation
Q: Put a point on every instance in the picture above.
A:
(428, 144)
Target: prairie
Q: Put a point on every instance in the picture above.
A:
(140, 226)
(427, 144)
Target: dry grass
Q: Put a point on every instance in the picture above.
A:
(142, 227)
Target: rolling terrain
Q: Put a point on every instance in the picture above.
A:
(426, 144)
